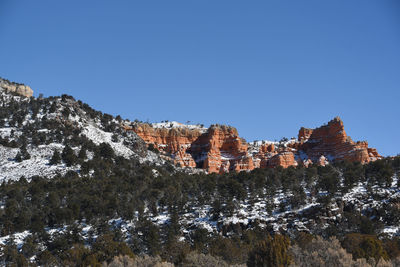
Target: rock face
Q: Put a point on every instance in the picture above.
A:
(331, 141)
(18, 88)
(219, 149)
(171, 139)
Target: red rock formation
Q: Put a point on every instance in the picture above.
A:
(219, 149)
(284, 159)
(226, 151)
(332, 142)
(172, 142)
(305, 133)
(267, 148)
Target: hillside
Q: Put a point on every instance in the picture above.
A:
(33, 129)
(80, 187)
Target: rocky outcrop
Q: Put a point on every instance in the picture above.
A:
(284, 159)
(18, 88)
(332, 142)
(170, 141)
(219, 149)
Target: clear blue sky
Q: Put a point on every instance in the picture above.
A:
(265, 67)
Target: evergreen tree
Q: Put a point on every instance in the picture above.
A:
(56, 158)
(272, 252)
(106, 151)
(82, 154)
(53, 107)
(22, 154)
(18, 157)
(364, 246)
(68, 156)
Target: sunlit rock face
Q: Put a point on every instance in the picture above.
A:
(18, 88)
(219, 149)
(332, 142)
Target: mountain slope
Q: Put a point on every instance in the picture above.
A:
(94, 189)
(37, 127)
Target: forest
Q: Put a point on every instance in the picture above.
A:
(126, 189)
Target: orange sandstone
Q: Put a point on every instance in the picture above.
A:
(219, 149)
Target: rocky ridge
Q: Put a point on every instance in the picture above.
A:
(37, 127)
(219, 149)
(17, 88)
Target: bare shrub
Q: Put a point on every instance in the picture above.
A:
(322, 252)
(194, 259)
(139, 261)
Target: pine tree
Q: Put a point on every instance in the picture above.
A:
(22, 154)
(56, 158)
(18, 157)
(68, 156)
(53, 107)
(82, 154)
(271, 252)
(106, 151)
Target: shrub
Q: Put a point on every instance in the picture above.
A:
(272, 252)
(320, 252)
(56, 158)
(142, 261)
(364, 246)
(194, 259)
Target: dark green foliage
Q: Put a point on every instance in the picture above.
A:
(53, 107)
(105, 151)
(7, 143)
(352, 173)
(12, 255)
(105, 248)
(379, 172)
(151, 236)
(68, 156)
(232, 250)
(271, 252)
(56, 158)
(22, 154)
(119, 187)
(364, 246)
(82, 154)
(328, 179)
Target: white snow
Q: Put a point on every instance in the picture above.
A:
(99, 136)
(175, 124)
(38, 164)
(17, 238)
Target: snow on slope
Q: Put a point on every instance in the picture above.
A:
(80, 120)
(38, 164)
(17, 238)
(175, 124)
(99, 136)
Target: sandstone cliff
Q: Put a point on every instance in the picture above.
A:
(171, 139)
(219, 148)
(332, 141)
(18, 88)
